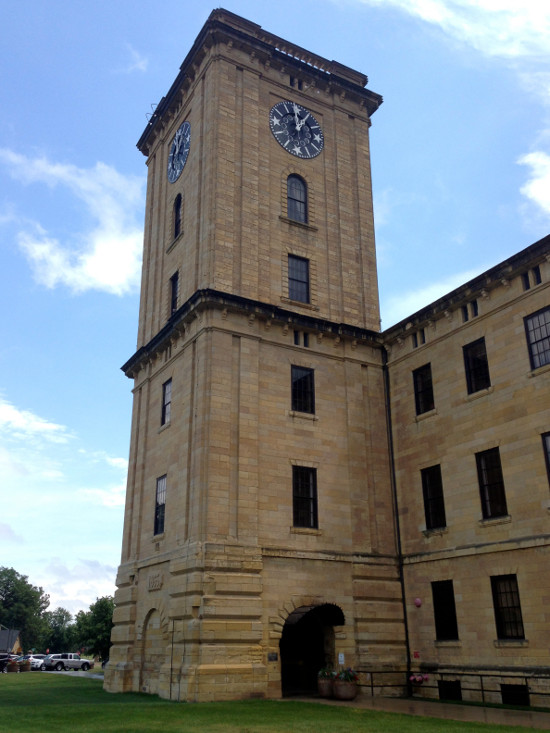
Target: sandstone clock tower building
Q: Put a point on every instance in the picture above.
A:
(259, 540)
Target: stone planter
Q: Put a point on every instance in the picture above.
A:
(25, 666)
(343, 690)
(13, 667)
(324, 687)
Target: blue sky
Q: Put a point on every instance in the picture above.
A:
(461, 172)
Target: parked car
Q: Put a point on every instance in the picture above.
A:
(66, 661)
(4, 659)
(36, 660)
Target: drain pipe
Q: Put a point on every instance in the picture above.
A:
(393, 483)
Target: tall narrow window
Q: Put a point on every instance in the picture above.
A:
(491, 484)
(432, 490)
(174, 289)
(507, 607)
(166, 402)
(477, 366)
(546, 449)
(423, 389)
(296, 199)
(177, 215)
(298, 279)
(303, 389)
(446, 627)
(304, 496)
(537, 328)
(160, 505)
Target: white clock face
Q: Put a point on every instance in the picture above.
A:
(179, 150)
(296, 129)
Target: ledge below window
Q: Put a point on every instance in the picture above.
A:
(506, 519)
(300, 224)
(425, 415)
(539, 370)
(303, 415)
(305, 530)
(479, 393)
(510, 642)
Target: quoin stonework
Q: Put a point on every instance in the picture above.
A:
(304, 489)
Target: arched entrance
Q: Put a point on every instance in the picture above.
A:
(152, 654)
(307, 645)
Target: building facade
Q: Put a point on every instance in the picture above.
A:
(274, 521)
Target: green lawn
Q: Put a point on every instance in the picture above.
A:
(49, 702)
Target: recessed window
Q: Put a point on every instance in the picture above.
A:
(515, 694)
(174, 290)
(418, 338)
(476, 366)
(546, 449)
(432, 491)
(160, 505)
(537, 328)
(507, 607)
(423, 389)
(304, 497)
(177, 215)
(166, 402)
(449, 690)
(446, 627)
(296, 199)
(298, 278)
(303, 389)
(491, 484)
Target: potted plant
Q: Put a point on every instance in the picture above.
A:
(325, 680)
(345, 684)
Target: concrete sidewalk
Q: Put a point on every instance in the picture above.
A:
(445, 711)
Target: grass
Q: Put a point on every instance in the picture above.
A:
(35, 702)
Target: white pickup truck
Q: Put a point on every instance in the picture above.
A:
(66, 661)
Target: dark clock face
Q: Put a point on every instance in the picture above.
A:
(296, 129)
(179, 150)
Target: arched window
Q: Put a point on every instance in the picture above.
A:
(177, 216)
(296, 198)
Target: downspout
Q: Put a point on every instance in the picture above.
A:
(393, 484)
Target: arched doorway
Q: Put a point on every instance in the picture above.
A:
(152, 654)
(307, 645)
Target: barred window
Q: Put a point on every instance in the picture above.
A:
(296, 198)
(537, 328)
(507, 607)
(177, 215)
(302, 390)
(160, 505)
(423, 389)
(174, 290)
(477, 366)
(298, 279)
(304, 496)
(491, 484)
(432, 490)
(166, 402)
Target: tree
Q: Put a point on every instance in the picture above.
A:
(22, 607)
(60, 634)
(93, 627)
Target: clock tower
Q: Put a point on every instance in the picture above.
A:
(259, 541)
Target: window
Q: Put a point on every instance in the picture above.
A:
(531, 276)
(304, 496)
(303, 390)
(432, 490)
(449, 689)
(177, 216)
(477, 366)
(166, 402)
(423, 389)
(296, 198)
(160, 505)
(537, 328)
(301, 337)
(446, 627)
(418, 338)
(491, 484)
(515, 694)
(546, 449)
(298, 278)
(174, 288)
(507, 607)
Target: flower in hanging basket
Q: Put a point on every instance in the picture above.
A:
(418, 679)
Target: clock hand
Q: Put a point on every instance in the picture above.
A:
(302, 122)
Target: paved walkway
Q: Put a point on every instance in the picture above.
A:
(446, 711)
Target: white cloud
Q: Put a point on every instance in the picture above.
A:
(137, 61)
(506, 28)
(395, 308)
(24, 424)
(8, 534)
(76, 587)
(114, 496)
(537, 188)
(108, 256)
